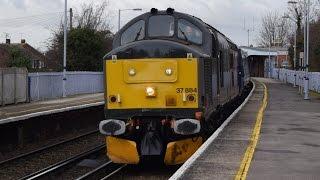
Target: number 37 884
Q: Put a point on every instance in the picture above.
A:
(186, 90)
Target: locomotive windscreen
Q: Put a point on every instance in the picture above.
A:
(161, 26)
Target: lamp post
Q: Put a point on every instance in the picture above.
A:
(64, 79)
(294, 47)
(306, 82)
(119, 14)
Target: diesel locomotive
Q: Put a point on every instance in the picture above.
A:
(167, 76)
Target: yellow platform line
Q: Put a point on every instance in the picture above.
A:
(246, 161)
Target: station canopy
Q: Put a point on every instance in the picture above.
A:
(256, 51)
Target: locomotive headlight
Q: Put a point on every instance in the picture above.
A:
(169, 71)
(132, 72)
(151, 92)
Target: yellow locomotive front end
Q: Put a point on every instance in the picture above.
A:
(150, 93)
(156, 92)
(151, 83)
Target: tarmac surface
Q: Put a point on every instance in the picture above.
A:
(288, 146)
(21, 111)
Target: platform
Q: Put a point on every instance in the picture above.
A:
(17, 112)
(285, 145)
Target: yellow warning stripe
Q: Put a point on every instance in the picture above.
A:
(246, 161)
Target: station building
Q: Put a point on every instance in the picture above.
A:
(259, 63)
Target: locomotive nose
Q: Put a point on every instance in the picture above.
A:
(112, 127)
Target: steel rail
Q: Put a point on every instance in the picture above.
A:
(46, 148)
(108, 165)
(64, 163)
(114, 172)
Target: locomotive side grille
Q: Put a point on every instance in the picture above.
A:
(208, 80)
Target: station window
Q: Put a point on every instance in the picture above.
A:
(133, 33)
(189, 32)
(161, 26)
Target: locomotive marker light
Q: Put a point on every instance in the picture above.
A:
(112, 127)
(132, 72)
(118, 98)
(169, 71)
(186, 126)
(151, 92)
(184, 97)
(191, 98)
(113, 99)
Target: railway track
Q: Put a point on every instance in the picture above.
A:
(48, 171)
(24, 155)
(99, 172)
(61, 169)
(26, 164)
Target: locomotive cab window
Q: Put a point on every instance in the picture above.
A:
(133, 33)
(161, 26)
(189, 32)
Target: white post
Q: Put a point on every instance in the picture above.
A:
(269, 60)
(64, 79)
(295, 57)
(38, 90)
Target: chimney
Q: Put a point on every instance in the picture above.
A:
(23, 41)
(7, 41)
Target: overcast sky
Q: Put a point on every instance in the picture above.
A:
(34, 20)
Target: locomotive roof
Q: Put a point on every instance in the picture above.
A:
(208, 29)
(200, 21)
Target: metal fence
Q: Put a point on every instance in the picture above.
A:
(13, 85)
(49, 85)
(287, 76)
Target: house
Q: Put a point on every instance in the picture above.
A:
(37, 58)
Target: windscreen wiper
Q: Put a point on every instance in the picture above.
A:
(138, 34)
(184, 35)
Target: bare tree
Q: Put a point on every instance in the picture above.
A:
(297, 12)
(274, 30)
(94, 16)
(88, 41)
